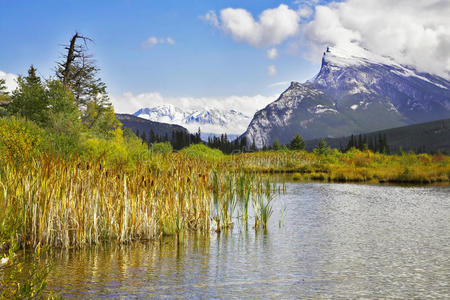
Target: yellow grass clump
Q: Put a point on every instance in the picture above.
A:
(73, 202)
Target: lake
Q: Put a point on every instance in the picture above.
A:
(323, 241)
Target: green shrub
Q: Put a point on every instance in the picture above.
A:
(137, 150)
(113, 150)
(203, 152)
(163, 148)
(19, 138)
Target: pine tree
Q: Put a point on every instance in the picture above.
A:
(4, 98)
(144, 137)
(371, 146)
(360, 142)
(351, 142)
(322, 147)
(32, 77)
(49, 104)
(380, 143)
(3, 90)
(297, 143)
(152, 136)
(276, 145)
(243, 144)
(253, 146)
(29, 99)
(198, 137)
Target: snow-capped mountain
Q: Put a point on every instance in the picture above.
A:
(355, 91)
(211, 121)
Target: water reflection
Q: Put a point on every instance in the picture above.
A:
(337, 240)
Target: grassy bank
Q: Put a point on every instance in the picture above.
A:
(351, 166)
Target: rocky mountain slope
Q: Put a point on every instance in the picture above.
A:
(143, 125)
(355, 91)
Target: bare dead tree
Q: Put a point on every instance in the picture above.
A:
(77, 70)
(74, 52)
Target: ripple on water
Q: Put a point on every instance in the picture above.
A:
(337, 240)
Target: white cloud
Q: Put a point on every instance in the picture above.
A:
(415, 33)
(211, 18)
(272, 28)
(130, 103)
(305, 11)
(10, 80)
(170, 41)
(271, 70)
(153, 41)
(150, 42)
(272, 53)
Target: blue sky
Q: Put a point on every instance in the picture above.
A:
(215, 52)
(202, 62)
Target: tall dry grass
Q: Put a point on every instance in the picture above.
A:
(48, 200)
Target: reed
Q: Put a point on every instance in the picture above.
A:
(50, 200)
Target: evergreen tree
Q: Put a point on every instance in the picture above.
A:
(236, 144)
(371, 146)
(29, 99)
(152, 136)
(144, 137)
(47, 104)
(3, 87)
(32, 77)
(276, 145)
(198, 139)
(297, 143)
(360, 142)
(380, 143)
(253, 146)
(385, 145)
(351, 142)
(321, 148)
(243, 144)
(4, 98)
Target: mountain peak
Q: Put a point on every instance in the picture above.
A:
(352, 70)
(353, 55)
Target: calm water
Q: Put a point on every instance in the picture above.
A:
(335, 240)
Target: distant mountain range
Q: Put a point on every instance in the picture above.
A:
(354, 92)
(211, 121)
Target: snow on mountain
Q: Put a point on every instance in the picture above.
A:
(355, 71)
(211, 121)
(355, 91)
